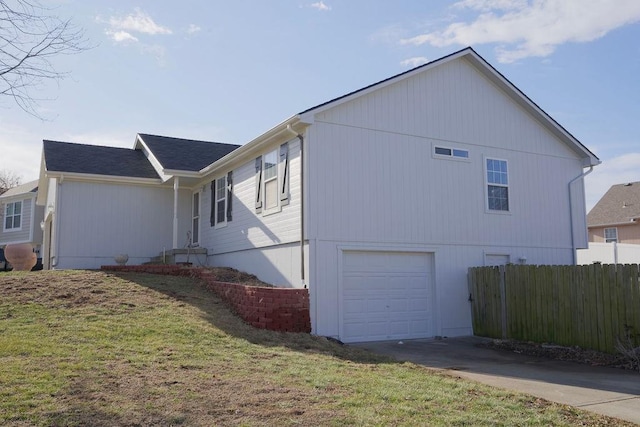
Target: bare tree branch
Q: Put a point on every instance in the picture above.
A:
(29, 37)
(8, 179)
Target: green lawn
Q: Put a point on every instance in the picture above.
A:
(92, 348)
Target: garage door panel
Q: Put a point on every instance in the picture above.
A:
(386, 296)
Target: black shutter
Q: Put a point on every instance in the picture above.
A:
(284, 161)
(212, 217)
(259, 184)
(229, 194)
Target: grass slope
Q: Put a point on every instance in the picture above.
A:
(93, 348)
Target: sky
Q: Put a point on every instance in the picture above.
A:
(227, 71)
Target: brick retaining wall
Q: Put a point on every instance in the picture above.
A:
(276, 309)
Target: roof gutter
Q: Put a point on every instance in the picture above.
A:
(631, 221)
(573, 239)
(97, 177)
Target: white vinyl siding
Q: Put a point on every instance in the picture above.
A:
(251, 228)
(113, 220)
(386, 189)
(30, 217)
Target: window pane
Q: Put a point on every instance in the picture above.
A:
(221, 187)
(16, 221)
(8, 222)
(461, 153)
(10, 209)
(196, 204)
(18, 208)
(497, 172)
(610, 235)
(270, 165)
(498, 198)
(271, 194)
(220, 211)
(196, 231)
(443, 151)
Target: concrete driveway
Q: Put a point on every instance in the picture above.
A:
(607, 391)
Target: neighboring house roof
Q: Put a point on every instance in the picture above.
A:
(185, 154)
(27, 187)
(96, 160)
(619, 205)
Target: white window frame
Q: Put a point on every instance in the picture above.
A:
(276, 178)
(195, 218)
(455, 153)
(487, 183)
(223, 223)
(6, 215)
(611, 239)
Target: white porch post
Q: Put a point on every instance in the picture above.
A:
(176, 185)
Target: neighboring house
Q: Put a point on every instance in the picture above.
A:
(377, 201)
(616, 216)
(614, 227)
(104, 201)
(21, 217)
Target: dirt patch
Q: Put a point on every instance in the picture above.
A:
(557, 352)
(231, 275)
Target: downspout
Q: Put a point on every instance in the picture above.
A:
(176, 187)
(573, 239)
(301, 138)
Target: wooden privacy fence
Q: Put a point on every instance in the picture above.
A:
(591, 306)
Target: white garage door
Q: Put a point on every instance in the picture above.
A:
(386, 296)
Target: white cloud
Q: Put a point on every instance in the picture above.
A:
(320, 6)
(532, 28)
(487, 5)
(121, 36)
(617, 170)
(193, 28)
(414, 62)
(139, 22)
(121, 28)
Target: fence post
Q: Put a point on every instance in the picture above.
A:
(503, 300)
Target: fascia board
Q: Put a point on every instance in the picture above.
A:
(43, 182)
(253, 147)
(151, 157)
(182, 173)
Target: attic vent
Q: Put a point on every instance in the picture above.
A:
(628, 184)
(626, 204)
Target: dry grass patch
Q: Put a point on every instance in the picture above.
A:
(91, 348)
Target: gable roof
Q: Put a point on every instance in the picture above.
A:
(489, 72)
(96, 160)
(27, 187)
(185, 154)
(619, 205)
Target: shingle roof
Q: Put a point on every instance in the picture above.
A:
(27, 187)
(620, 204)
(96, 160)
(185, 154)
